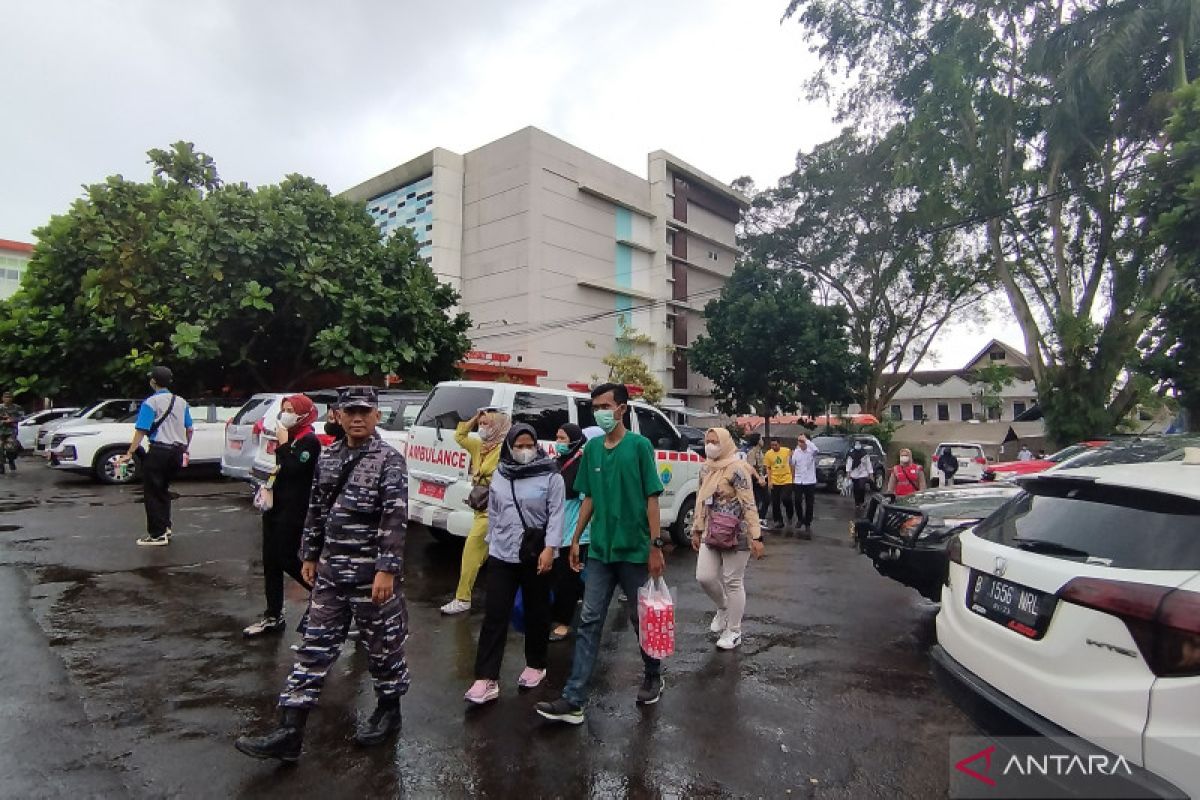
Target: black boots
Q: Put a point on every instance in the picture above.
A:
(384, 721)
(283, 743)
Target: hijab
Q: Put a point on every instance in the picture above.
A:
(497, 432)
(306, 410)
(568, 462)
(511, 469)
(720, 468)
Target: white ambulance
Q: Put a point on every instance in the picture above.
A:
(438, 469)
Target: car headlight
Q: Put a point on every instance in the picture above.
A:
(825, 462)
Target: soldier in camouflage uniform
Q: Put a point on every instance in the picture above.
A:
(353, 552)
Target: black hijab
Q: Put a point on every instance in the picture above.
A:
(568, 462)
(511, 469)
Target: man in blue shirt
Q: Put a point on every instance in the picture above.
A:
(166, 421)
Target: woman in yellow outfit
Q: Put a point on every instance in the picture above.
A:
(493, 426)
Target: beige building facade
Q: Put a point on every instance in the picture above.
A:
(561, 257)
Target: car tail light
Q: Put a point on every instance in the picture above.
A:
(953, 556)
(979, 460)
(257, 430)
(1165, 622)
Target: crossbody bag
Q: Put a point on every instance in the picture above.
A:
(533, 540)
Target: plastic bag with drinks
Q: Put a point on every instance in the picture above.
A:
(656, 618)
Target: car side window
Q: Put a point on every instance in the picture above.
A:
(546, 413)
(654, 426)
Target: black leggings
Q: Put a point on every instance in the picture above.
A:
(568, 586)
(503, 580)
(280, 556)
(860, 490)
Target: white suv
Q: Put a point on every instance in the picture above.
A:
(1075, 608)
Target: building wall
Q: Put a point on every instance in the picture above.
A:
(12, 269)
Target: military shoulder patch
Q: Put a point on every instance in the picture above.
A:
(305, 456)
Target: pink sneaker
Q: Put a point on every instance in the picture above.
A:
(482, 692)
(531, 678)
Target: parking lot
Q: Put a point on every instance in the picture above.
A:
(127, 674)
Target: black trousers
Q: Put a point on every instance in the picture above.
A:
(805, 494)
(568, 586)
(159, 467)
(859, 486)
(503, 580)
(761, 499)
(280, 556)
(781, 495)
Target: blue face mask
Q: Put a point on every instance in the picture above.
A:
(606, 419)
(562, 449)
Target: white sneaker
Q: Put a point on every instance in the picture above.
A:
(729, 640)
(153, 541)
(456, 606)
(720, 621)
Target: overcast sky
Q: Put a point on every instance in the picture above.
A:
(345, 90)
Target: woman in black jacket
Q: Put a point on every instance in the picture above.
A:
(283, 523)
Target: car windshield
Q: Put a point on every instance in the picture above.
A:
(450, 405)
(1115, 526)
(1067, 452)
(830, 444)
(1167, 448)
(252, 412)
(964, 503)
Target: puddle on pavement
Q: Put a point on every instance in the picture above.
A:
(20, 505)
(7, 528)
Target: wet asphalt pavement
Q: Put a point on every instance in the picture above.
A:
(125, 674)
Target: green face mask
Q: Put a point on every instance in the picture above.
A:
(607, 420)
(562, 449)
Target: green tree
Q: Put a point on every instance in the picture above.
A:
(992, 381)
(849, 219)
(233, 286)
(1037, 159)
(1170, 200)
(770, 347)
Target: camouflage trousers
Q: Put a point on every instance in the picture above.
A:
(384, 629)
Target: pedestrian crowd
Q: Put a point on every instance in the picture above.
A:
(557, 532)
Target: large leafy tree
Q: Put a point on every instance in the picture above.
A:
(233, 286)
(1170, 200)
(770, 347)
(1040, 116)
(850, 220)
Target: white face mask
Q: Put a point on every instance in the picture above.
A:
(288, 419)
(485, 431)
(713, 451)
(524, 455)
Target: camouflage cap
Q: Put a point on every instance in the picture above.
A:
(357, 397)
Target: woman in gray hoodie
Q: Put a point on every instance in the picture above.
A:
(529, 477)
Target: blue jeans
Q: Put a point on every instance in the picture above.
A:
(602, 580)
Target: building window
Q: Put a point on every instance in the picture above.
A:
(996, 355)
(1018, 409)
(943, 412)
(918, 412)
(670, 239)
(712, 256)
(968, 412)
(896, 415)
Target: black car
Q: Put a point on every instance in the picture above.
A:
(906, 537)
(831, 458)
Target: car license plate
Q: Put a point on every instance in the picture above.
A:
(1018, 608)
(434, 490)
(235, 444)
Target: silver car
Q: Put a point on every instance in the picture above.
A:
(245, 432)
(27, 429)
(101, 411)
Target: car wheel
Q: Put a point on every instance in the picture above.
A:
(105, 467)
(681, 530)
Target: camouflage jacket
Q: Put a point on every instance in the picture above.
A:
(361, 531)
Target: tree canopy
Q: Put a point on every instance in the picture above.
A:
(1038, 119)
(854, 222)
(252, 289)
(769, 346)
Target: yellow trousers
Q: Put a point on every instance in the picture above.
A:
(475, 552)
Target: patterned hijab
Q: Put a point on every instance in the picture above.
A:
(720, 468)
(501, 423)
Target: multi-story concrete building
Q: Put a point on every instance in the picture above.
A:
(562, 258)
(13, 258)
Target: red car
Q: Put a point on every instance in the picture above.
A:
(1007, 470)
